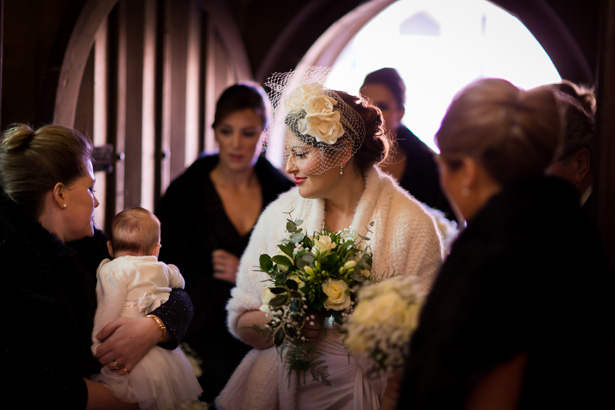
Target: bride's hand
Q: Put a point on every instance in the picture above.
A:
(124, 342)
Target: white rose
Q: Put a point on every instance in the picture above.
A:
(391, 308)
(323, 244)
(297, 98)
(357, 341)
(365, 314)
(337, 297)
(319, 104)
(323, 127)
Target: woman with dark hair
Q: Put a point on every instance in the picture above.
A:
(519, 316)
(412, 163)
(207, 215)
(334, 142)
(47, 200)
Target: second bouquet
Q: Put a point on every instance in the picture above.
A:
(312, 280)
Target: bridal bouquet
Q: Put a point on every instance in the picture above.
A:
(378, 331)
(312, 279)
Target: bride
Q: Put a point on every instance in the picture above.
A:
(333, 141)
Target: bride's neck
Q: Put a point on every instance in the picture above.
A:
(340, 208)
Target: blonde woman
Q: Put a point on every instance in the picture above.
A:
(519, 316)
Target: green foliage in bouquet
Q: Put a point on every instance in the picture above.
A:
(312, 279)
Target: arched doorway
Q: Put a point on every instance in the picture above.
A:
(141, 77)
(437, 46)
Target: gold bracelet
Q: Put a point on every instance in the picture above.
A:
(160, 325)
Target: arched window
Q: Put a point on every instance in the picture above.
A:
(439, 46)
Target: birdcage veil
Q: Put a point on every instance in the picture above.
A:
(318, 117)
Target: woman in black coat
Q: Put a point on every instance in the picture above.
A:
(207, 215)
(519, 316)
(47, 200)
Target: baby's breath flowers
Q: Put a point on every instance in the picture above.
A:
(378, 331)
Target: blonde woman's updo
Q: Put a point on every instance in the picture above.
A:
(513, 133)
(33, 161)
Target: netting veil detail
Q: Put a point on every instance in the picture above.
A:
(316, 119)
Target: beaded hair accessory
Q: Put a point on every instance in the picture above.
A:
(319, 124)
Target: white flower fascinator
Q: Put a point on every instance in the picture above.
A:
(319, 117)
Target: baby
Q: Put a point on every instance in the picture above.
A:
(134, 284)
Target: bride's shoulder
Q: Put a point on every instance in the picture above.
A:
(283, 201)
(277, 210)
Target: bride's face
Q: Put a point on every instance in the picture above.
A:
(305, 163)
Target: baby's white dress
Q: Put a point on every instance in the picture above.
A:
(134, 286)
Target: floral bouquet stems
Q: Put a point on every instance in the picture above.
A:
(312, 278)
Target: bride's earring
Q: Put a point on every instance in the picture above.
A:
(341, 169)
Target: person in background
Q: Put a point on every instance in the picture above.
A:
(47, 200)
(207, 216)
(520, 314)
(133, 284)
(575, 162)
(333, 160)
(413, 163)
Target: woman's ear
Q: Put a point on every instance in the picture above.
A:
(59, 194)
(468, 172)
(581, 163)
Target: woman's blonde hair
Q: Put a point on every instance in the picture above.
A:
(33, 161)
(513, 133)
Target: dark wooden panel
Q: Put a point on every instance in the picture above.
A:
(131, 27)
(605, 184)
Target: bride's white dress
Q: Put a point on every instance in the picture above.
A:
(350, 388)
